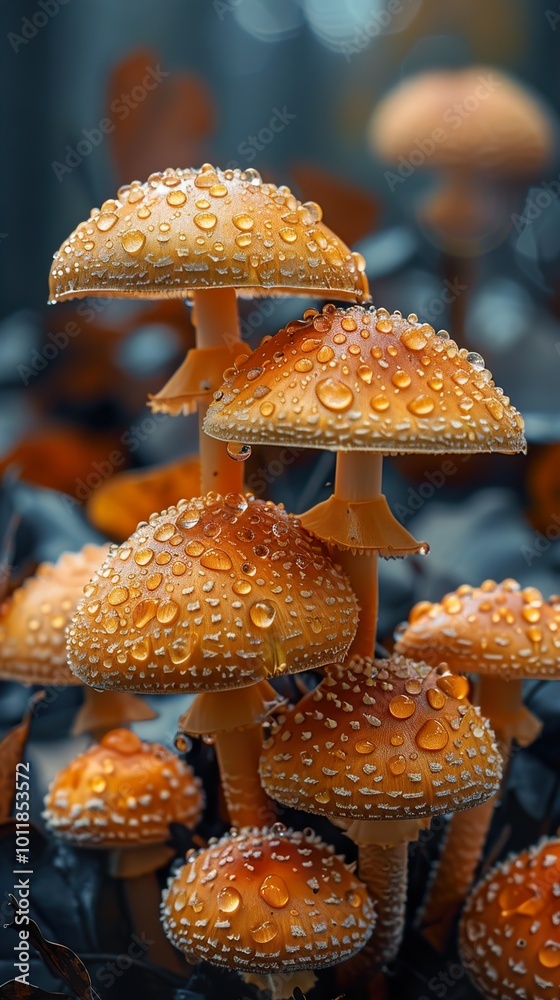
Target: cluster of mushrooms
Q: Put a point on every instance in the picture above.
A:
(220, 594)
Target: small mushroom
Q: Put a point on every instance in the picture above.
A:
(379, 747)
(33, 624)
(504, 634)
(272, 904)
(215, 593)
(121, 796)
(202, 235)
(509, 934)
(364, 382)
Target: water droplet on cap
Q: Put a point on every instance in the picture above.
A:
(274, 891)
(476, 360)
(239, 452)
(229, 899)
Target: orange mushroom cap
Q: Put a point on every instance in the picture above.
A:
(215, 593)
(185, 230)
(267, 899)
(499, 127)
(122, 792)
(33, 620)
(509, 932)
(382, 740)
(360, 379)
(497, 628)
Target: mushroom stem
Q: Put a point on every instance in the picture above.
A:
(103, 711)
(238, 754)
(384, 870)
(501, 702)
(217, 325)
(358, 478)
(455, 872)
(281, 985)
(143, 900)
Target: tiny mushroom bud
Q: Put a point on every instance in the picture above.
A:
(509, 933)
(265, 901)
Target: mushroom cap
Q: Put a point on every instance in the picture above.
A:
(267, 899)
(381, 740)
(186, 230)
(496, 628)
(34, 618)
(475, 118)
(215, 593)
(361, 379)
(122, 792)
(509, 936)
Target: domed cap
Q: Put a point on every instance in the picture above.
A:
(266, 900)
(33, 620)
(509, 936)
(381, 740)
(496, 628)
(184, 230)
(122, 793)
(361, 379)
(475, 118)
(215, 593)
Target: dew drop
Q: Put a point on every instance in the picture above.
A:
(106, 221)
(267, 409)
(516, 898)
(143, 613)
(494, 408)
(365, 373)
(364, 747)
(253, 374)
(274, 891)
(242, 587)
(140, 650)
(164, 532)
(402, 707)
(322, 797)
(133, 241)
(476, 361)
(218, 191)
(243, 222)
(153, 581)
(188, 520)
(288, 235)
(436, 384)
(384, 326)
(549, 955)
(216, 559)
(262, 614)
(303, 365)
(353, 899)
(265, 932)
(176, 198)
(310, 344)
(239, 452)
(379, 403)
(401, 380)
(421, 406)
(397, 764)
(118, 595)
(413, 686)
(167, 612)
(205, 220)
(194, 549)
(414, 339)
(432, 736)
(98, 784)
(229, 899)
(179, 652)
(325, 354)
(397, 740)
(454, 686)
(436, 698)
(334, 395)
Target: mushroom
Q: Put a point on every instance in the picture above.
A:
(200, 235)
(213, 594)
(475, 125)
(509, 939)
(120, 796)
(379, 747)
(362, 380)
(125, 499)
(504, 634)
(270, 904)
(33, 621)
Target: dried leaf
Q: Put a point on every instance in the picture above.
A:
(21, 991)
(60, 960)
(11, 752)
